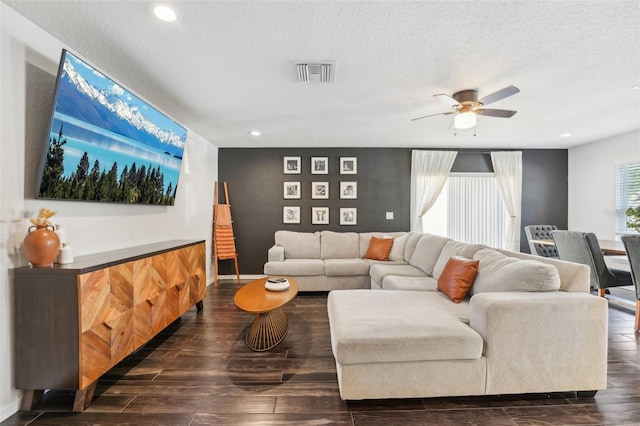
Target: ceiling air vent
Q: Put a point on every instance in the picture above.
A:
(316, 72)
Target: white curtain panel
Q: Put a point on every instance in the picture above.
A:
(429, 172)
(507, 167)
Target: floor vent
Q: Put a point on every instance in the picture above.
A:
(316, 72)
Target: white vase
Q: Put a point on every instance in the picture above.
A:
(66, 255)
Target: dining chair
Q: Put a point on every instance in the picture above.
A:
(583, 247)
(540, 232)
(632, 247)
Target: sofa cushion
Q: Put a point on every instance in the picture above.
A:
(299, 245)
(380, 270)
(427, 252)
(345, 267)
(295, 267)
(407, 333)
(397, 250)
(379, 248)
(497, 272)
(457, 277)
(451, 248)
(410, 244)
(397, 282)
(339, 245)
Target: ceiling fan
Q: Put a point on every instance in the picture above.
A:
(467, 106)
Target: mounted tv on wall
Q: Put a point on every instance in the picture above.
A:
(106, 144)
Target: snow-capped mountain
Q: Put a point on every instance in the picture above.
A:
(120, 108)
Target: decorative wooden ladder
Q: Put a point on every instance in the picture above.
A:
(224, 247)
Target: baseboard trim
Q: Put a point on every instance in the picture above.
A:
(242, 277)
(10, 409)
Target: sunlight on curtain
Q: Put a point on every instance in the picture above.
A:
(469, 209)
(429, 171)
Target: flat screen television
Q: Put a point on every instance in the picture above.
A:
(106, 144)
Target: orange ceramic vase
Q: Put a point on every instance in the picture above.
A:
(41, 246)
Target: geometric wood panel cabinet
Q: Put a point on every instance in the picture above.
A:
(122, 299)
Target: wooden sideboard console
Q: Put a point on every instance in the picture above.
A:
(74, 322)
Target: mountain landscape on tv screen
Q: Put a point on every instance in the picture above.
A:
(106, 144)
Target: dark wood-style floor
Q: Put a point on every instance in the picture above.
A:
(200, 372)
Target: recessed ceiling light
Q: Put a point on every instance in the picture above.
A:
(164, 13)
(254, 133)
(636, 87)
(565, 135)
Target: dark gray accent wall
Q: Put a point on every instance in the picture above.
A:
(545, 197)
(255, 177)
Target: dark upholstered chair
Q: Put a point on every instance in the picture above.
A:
(541, 232)
(632, 247)
(583, 247)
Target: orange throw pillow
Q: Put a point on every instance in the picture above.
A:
(379, 248)
(457, 277)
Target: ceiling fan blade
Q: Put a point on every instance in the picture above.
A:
(500, 94)
(433, 115)
(502, 113)
(447, 100)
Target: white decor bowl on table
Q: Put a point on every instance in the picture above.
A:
(276, 284)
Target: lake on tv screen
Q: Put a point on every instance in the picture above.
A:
(109, 148)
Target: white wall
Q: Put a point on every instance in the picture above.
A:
(27, 55)
(592, 182)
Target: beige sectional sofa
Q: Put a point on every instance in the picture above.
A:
(528, 324)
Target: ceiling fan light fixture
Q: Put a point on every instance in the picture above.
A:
(464, 120)
(466, 106)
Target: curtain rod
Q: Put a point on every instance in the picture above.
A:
(488, 152)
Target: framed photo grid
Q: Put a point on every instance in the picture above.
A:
(348, 190)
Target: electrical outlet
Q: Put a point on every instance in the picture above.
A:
(389, 216)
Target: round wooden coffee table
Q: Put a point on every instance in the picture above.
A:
(271, 324)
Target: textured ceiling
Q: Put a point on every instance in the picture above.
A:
(225, 68)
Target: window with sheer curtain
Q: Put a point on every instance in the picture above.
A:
(627, 193)
(470, 209)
